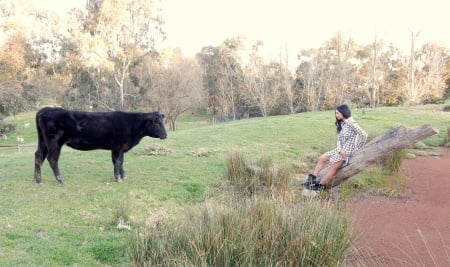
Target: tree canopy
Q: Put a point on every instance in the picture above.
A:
(110, 55)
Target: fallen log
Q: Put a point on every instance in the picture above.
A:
(395, 139)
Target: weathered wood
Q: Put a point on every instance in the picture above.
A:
(397, 138)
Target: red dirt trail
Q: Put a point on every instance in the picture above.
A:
(413, 230)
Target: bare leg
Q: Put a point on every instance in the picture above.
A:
(331, 171)
(323, 159)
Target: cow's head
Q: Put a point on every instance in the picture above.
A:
(155, 125)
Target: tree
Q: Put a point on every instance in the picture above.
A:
(208, 59)
(261, 83)
(13, 75)
(171, 83)
(343, 51)
(314, 78)
(432, 59)
(395, 79)
(412, 92)
(123, 31)
(371, 72)
(223, 76)
(286, 82)
(181, 87)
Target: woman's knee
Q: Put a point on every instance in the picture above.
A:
(324, 158)
(337, 165)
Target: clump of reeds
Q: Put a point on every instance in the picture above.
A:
(252, 232)
(263, 177)
(393, 162)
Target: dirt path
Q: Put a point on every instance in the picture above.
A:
(414, 230)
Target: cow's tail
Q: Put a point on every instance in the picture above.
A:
(39, 129)
(41, 152)
(42, 148)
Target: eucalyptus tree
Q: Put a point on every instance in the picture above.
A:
(208, 59)
(412, 92)
(223, 75)
(390, 77)
(262, 82)
(327, 76)
(115, 34)
(314, 79)
(26, 55)
(394, 68)
(230, 76)
(343, 52)
(432, 60)
(12, 75)
(170, 82)
(371, 72)
(256, 85)
(286, 82)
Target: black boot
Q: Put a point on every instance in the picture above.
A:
(316, 187)
(311, 179)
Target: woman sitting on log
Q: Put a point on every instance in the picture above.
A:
(350, 139)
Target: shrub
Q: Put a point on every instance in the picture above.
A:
(255, 232)
(6, 128)
(264, 177)
(256, 228)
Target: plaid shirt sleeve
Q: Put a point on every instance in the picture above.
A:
(353, 137)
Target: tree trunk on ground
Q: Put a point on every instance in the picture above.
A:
(397, 138)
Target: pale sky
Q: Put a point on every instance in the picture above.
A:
(302, 24)
(298, 24)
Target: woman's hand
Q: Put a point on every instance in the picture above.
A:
(344, 154)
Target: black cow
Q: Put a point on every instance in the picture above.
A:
(116, 131)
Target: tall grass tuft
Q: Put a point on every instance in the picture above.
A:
(393, 162)
(121, 213)
(264, 177)
(255, 232)
(238, 173)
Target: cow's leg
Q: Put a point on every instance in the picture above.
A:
(53, 157)
(121, 171)
(117, 159)
(39, 157)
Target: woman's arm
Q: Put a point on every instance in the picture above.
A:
(356, 140)
(362, 136)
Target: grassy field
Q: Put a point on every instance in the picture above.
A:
(75, 225)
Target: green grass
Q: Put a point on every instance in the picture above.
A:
(256, 232)
(75, 225)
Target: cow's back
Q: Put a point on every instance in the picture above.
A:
(54, 122)
(90, 130)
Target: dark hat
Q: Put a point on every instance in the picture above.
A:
(344, 110)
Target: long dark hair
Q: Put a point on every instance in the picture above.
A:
(345, 111)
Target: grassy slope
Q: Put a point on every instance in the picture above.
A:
(53, 225)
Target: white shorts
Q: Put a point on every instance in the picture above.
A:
(335, 156)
